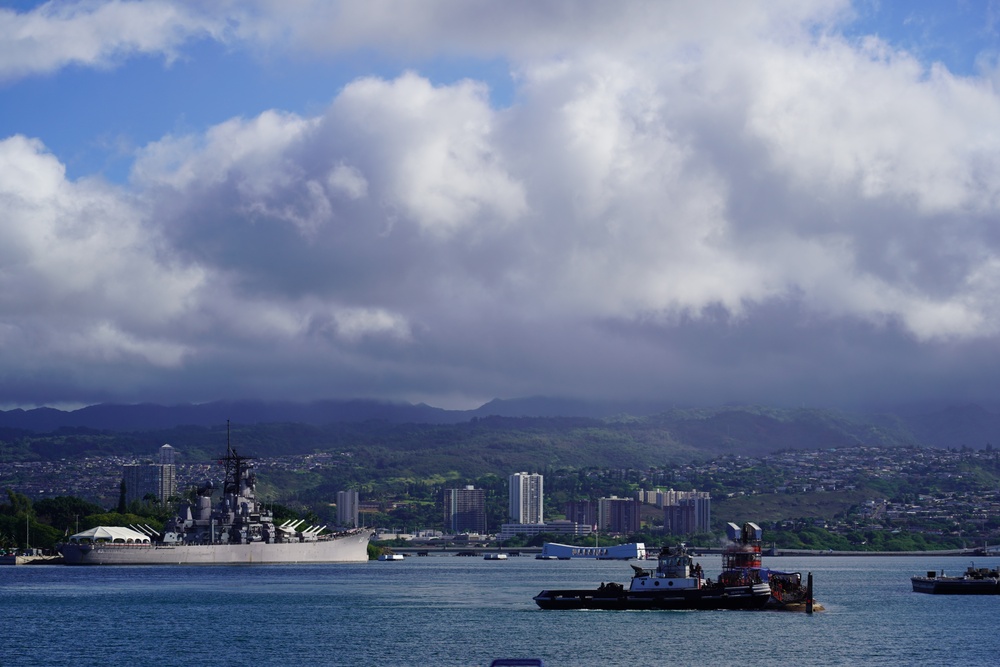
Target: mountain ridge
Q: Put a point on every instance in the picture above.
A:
(730, 428)
(152, 416)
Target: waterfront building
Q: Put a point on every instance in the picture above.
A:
(525, 494)
(157, 479)
(347, 509)
(464, 510)
(618, 515)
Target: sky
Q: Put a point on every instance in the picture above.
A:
(784, 202)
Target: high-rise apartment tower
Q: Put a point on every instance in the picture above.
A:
(157, 479)
(465, 510)
(525, 498)
(347, 509)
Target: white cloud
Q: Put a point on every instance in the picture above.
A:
(352, 324)
(246, 151)
(347, 181)
(521, 30)
(435, 148)
(78, 269)
(673, 188)
(105, 33)
(900, 132)
(57, 34)
(599, 194)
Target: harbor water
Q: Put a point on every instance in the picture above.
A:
(448, 610)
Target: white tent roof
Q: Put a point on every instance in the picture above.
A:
(111, 534)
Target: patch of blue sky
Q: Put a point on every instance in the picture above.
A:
(94, 119)
(21, 5)
(959, 34)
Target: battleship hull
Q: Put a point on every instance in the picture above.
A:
(349, 548)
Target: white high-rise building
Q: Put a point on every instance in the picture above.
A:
(526, 498)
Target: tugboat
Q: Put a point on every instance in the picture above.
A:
(741, 559)
(677, 583)
(975, 581)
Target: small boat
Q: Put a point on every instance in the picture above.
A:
(391, 557)
(788, 593)
(676, 583)
(495, 556)
(30, 557)
(975, 581)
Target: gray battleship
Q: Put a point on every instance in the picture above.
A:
(237, 530)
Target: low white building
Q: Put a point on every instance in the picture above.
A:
(509, 530)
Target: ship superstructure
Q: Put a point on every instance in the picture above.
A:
(742, 565)
(741, 561)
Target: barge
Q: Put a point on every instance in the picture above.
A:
(975, 581)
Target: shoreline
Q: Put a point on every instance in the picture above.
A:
(769, 553)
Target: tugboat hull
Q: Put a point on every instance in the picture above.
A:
(617, 598)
